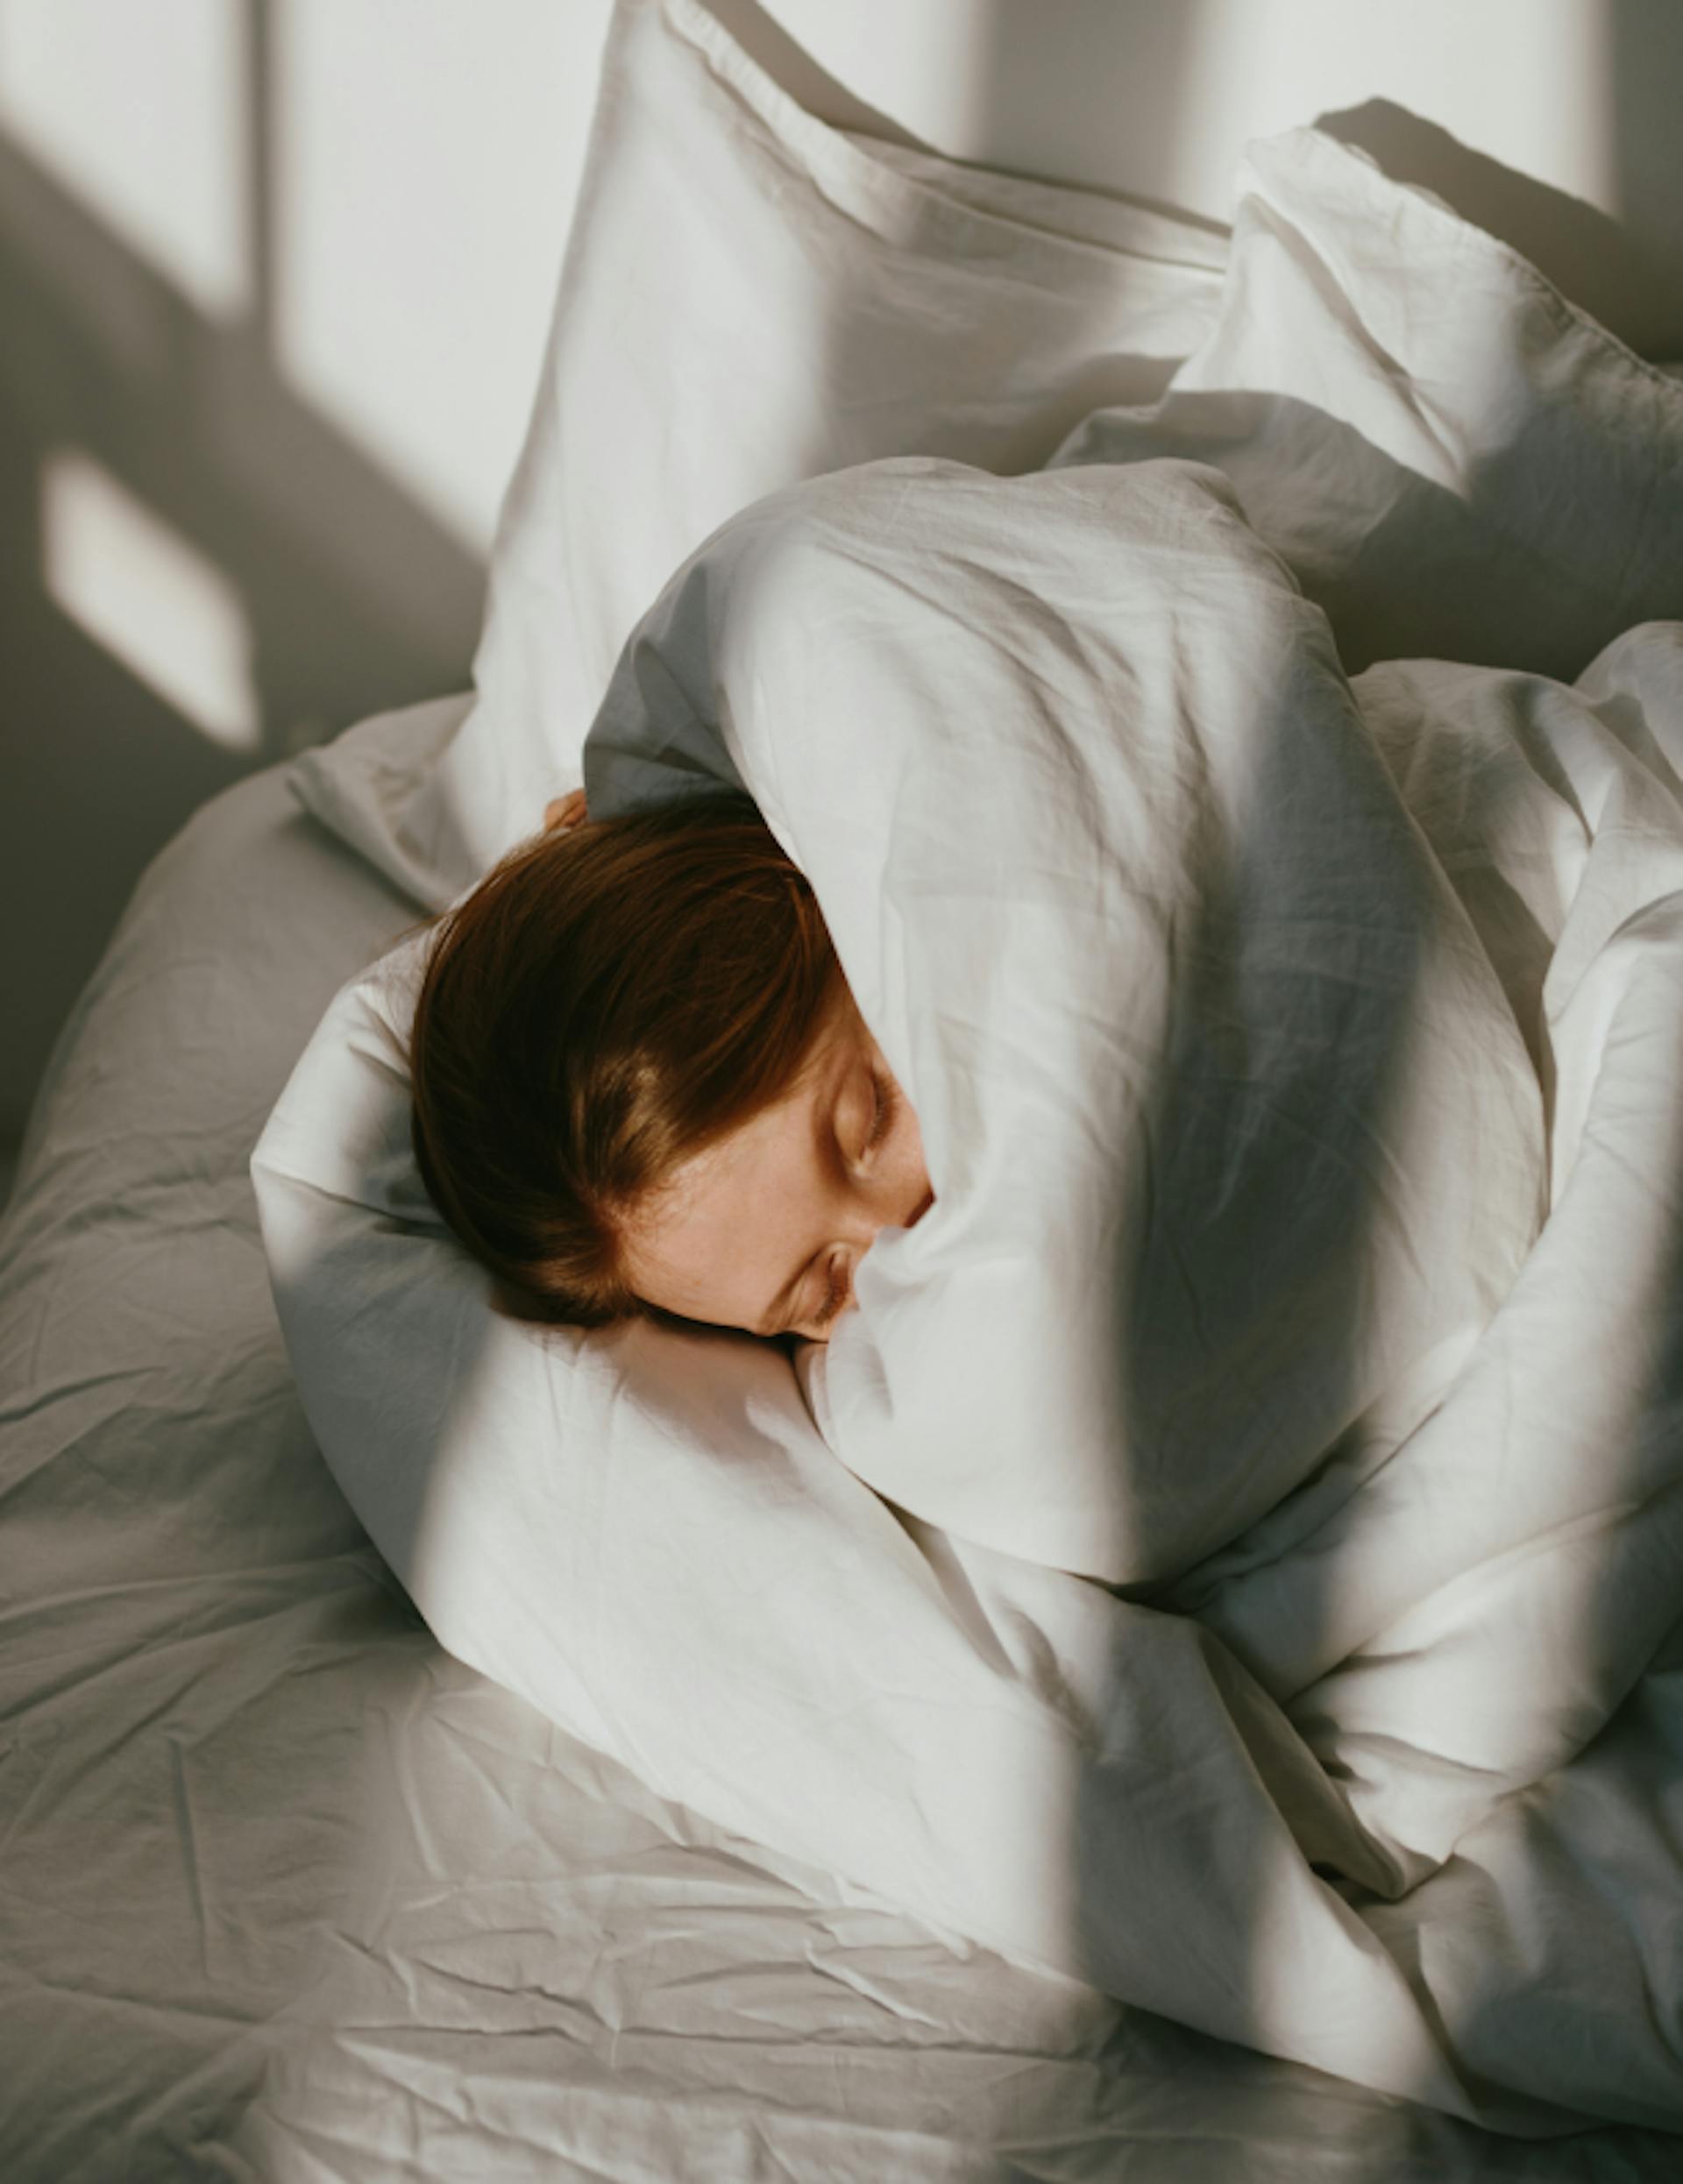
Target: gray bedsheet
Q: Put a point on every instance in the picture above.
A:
(287, 1894)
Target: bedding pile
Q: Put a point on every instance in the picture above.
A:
(1253, 1279)
(1229, 695)
(1253, 835)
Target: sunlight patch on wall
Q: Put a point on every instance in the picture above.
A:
(426, 171)
(139, 589)
(140, 111)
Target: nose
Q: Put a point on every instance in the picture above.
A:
(894, 1204)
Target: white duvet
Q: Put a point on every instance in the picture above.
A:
(1299, 1067)
(1202, 1042)
(1234, 1002)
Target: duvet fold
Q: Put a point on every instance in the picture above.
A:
(1298, 1067)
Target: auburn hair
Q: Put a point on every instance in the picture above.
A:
(610, 1000)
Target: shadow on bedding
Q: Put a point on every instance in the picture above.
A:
(1305, 2110)
(1537, 1880)
(195, 1627)
(1617, 269)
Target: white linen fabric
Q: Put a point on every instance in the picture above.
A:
(941, 1719)
(749, 297)
(1456, 463)
(293, 1895)
(1202, 1042)
(1164, 1157)
(578, 1514)
(641, 1533)
(1485, 1601)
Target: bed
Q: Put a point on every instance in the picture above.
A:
(291, 1893)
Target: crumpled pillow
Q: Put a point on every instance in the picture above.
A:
(1235, 1142)
(639, 1531)
(748, 297)
(1455, 461)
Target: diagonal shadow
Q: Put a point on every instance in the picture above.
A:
(1418, 510)
(356, 597)
(1615, 268)
(1385, 1061)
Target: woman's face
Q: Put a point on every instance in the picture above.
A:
(765, 1229)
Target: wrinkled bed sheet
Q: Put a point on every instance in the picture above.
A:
(290, 1895)
(1369, 1125)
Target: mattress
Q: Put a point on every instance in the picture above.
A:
(291, 1894)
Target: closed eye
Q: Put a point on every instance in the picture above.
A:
(881, 1113)
(884, 1100)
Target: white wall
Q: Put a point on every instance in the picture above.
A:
(1556, 122)
(273, 276)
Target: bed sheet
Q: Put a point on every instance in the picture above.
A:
(1425, 432)
(288, 1894)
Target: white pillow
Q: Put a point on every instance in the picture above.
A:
(1456, 462)
(638, 1531)
(750, 297)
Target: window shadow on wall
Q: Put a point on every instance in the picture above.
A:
(1625, 268)
(353, 597)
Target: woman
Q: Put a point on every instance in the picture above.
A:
(642, 1083)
